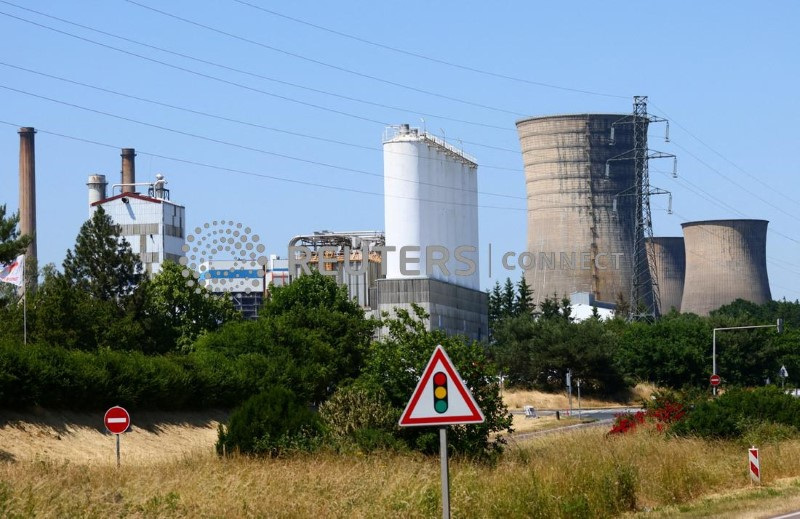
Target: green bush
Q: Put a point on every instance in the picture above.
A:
(270, 423)
(361, 416)
(738, 412)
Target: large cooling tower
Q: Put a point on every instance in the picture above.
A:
(725, 260)
(670, 268)
(579, 239)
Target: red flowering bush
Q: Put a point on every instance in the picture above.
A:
(662, 412)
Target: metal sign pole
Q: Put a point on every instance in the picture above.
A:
(445, 475)
(117, 450)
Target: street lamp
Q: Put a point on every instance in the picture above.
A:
(778, 325)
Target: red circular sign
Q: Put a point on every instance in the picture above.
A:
(117, 420)
(715, 380)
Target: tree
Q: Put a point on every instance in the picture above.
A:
(177, 314)
(11, 243)
(314, 337)
(103, 264)
(508, 300)
(395, 363)
(524, 303)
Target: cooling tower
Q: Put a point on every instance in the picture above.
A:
(725, 260)
(579, 239)
(670, 268)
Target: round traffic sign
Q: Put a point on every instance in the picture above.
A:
(715, 380)
(117, 420)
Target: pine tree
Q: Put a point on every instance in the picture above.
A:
(508, 299)
(495, 304)
(11, 243)
(566, 308)
(103, 264)
(524, 302)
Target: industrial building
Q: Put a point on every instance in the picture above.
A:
(574, 207)
(431, 207)
(669, 269)
(152, 224)
(726, 260)
(342, 254)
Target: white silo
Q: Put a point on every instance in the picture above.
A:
(431, 198)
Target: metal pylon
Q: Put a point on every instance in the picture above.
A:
(644, 295)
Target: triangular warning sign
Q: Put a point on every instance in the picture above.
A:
(441, 398)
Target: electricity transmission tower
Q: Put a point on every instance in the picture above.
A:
(644, 296)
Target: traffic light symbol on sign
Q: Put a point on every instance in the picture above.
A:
(440, 392)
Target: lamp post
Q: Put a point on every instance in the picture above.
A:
(778, 325)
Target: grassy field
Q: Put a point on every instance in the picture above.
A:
(62, 465)
(580, 474)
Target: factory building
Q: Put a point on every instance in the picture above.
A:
(243, 280)
(581, 233)
(152, 224)
(667, 261)
(726, 260)
(431, 218)
(342, 255)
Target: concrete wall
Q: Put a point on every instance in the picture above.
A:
(725, 260)
(453, 309)
(669, 270)
(571, 204)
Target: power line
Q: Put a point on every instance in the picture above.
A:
(723, 157)
(255, 74)
(228, 119)
(710, 167)
(694, 188)
(323, 63)
(242, 146)
(429, 58)
(221, 80)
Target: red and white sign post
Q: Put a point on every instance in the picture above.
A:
(755, 465)
(441, 399)
(117, 420)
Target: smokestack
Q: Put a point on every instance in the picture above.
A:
(128, 170)
(97, 188)
(27, 202)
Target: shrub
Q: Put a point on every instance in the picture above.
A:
(733, 414)
(361, 416)
(270, 423)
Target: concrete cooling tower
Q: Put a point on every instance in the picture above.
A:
(669, 270)
(725, 260)
(580, 233)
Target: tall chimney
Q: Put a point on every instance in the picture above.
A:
(128, 170)
(27, 202)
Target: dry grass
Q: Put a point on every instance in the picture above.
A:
(580, 474)
(517, 399)
(81, 437)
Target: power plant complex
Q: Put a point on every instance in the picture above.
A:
(589, 230)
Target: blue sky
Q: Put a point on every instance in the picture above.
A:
(290, 100)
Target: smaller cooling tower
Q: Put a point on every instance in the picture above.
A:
(726, 260)
(669, 270)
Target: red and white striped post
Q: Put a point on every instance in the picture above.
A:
(755, 465)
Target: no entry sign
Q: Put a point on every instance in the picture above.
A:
(715, 380)
(117, 420)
